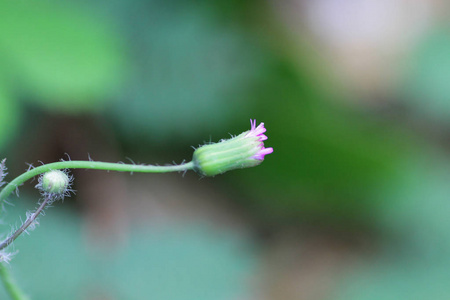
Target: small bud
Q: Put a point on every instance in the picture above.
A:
(54, 182)
(243, 151)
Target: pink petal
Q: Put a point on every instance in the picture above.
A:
(260, 155)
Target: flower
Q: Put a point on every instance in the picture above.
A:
(243, 151)
(259, 132)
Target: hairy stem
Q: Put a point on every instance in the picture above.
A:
(26, 224)
(80, 164)
(11, 287)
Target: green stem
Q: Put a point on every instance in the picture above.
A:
(25, 224)
(81, 164)
(11, 287)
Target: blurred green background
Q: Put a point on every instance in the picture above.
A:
(354, 203)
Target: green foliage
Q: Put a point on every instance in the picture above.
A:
(9, 116)
(58, 55)
(188, 70)
(185, 261)
(427, 86)
(414, 216)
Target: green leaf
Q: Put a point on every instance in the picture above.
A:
(186, 261)
(60, 56)
(9, 116)
(188, 69)
(412, 261)
(427, 85)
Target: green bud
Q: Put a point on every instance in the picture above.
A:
(55, 182)
(243, 151)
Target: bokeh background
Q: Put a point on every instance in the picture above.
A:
(354, 203)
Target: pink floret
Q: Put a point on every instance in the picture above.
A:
(264, 151)
(259, 132)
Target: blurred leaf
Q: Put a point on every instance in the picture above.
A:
(189, 263)
(414, 218)
(184, 261)
(427, 84)
(9, 116)
(188, 70)
(417, 207)
(397, 277)
(62, 57)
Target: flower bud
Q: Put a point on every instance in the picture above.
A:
(243, 151)
(54, 182)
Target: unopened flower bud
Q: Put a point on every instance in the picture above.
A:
(55, 182)
(243, 151)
